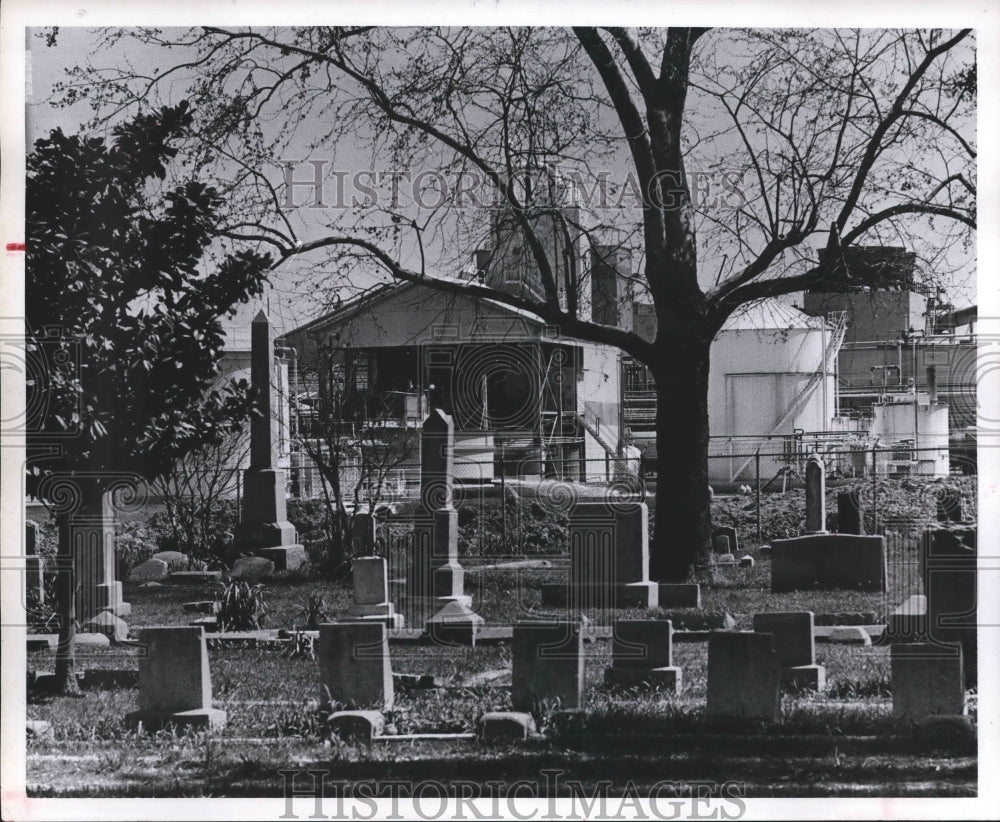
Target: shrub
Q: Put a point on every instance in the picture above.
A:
(241, 606)
(135, 542)
(530, 529)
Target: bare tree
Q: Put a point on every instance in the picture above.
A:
(732, 150)
(357, 440)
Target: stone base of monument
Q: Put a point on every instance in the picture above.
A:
(109, 598)
(108, 624)
(212, 718)
(803, 678)
(679, 595)
(384, 612)
(668, 679)
(455, 624)
(284, 557)
(602, 596)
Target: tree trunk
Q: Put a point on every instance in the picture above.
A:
(682, 534)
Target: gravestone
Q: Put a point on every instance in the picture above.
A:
(815, 495)
(642, 652)
(795, 646)
(743, 676)
(363, 526)
(152, 570)
(850, 513)
(547, 665)
(948, 563)
(175, 685)
(264, 529)
(609, 559)
(731, 533)
(176, 561)
(89, 529)
(435, 577)
(251, 568)
(828, 562)
(927, 680)
(354, 665)
(371, 592)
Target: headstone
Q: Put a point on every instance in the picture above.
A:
(725, 559)
(815, 495)
(609, 559)
(251, 568)
(194, 577)
(547, 665)
(152, 570)
(949, 572)
(642, 652)
(455, 624)
(908, 622)
(363, 526)
(746, 561)
(828, 562)
(108, 624)
(354, 664)
(356, 726)
(89, 530)
(176, 561)
(371, 592)
(926, 680)
(720, 544)
(435, 575)
(731, 533)
(34, 565)
(679, 595)
(506, 726)
(795, 646)
(743, 676)
(264, 529)
(849, 635)
(175, 685)
(850, 513)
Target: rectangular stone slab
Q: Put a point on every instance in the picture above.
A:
(743, 676)
(793, 635)
(828, 562)
(547, 664)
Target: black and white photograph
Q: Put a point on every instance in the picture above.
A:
(527, 411)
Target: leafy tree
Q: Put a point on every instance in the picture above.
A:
(123, 323)
(732, 151)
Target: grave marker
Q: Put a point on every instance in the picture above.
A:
(642, 651)
(547, 665)
(264, 529)
(371, 592)
(795, 646)
(354, 664)
(927, 680)
(815, 495)
(743, 676)
(175, 685)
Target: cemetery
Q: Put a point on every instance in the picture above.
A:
(427, 655)
(518, 488)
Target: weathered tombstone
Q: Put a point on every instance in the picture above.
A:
(927, 680)
(642, 652)
(609, 559)
(815, 495)
(354, 665)
(795, 646)
(264, 529)
(828, 562)
(175, 685)
(506, 726)
(850, 513)
(371, 592)
(363, 526)
(547, 665)
(175, 560)
(730, 532)
(89, 530)
(743, 676)
(720, 544)
(152, 570)
(251, 568)
(435, 577)
(949, 572)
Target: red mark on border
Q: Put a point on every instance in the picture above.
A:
(15, 246)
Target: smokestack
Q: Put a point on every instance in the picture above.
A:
(931, 384)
